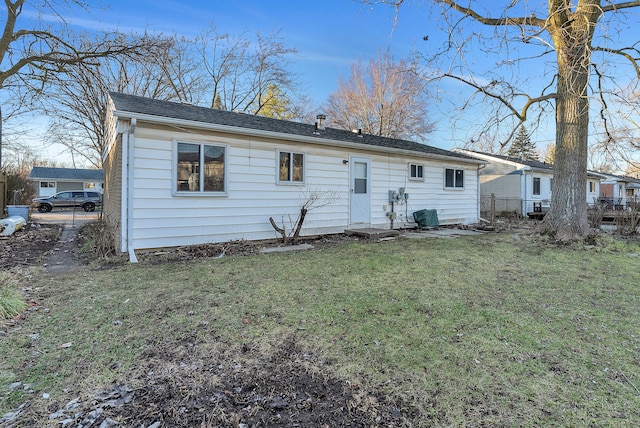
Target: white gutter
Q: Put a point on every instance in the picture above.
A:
(313, 139)
(129, 187)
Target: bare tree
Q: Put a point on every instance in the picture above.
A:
(164, 69)
(35, 51)
(242, 72)
(565, 30)
(30, 55)
(549, 153)
(385, 98)
(621, 141)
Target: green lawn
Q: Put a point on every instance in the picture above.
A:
(473, 331)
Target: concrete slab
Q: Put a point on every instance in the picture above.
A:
(69, 217)
(300, 247)
(441, 233)
(372, 233)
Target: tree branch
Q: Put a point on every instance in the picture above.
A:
(525, 20)
(617, 6)
(621, 52)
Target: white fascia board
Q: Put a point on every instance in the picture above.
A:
(282, 136)
(489, 158)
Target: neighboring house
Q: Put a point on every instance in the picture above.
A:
(517, 184)
(617, 191)
(521, 185)
(594, 183)
(183, 175)
(49, 181)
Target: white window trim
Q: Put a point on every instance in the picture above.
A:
(444, 179)
(200, 193)
(533, 179)
(411, 178)
(304, 168)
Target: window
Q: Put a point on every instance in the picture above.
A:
(49, 184)
(592, 187)
(89, 185)
(200, 168)
(536, 186)
(290, 167)
(416, 172)
(360, 178)
(453, 178)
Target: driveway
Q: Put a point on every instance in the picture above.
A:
(62, 258)
(69, 217)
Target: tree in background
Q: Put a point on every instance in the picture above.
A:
(385, 98)
(549, 154)
(163, 70)
(242, 74)
(20, 191)
(582, 36)
(34, 51)
(275, 105)
(621, 141)
(522, 146)
(222, 71)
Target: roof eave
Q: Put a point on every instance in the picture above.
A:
(313, 139)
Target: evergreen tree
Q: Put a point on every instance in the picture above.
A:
(273, 103)
(522, 147)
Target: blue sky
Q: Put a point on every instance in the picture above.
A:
(329, 36)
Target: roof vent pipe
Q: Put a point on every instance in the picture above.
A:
(320, 121)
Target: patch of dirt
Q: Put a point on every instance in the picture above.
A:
(28, 246)
(182, 385)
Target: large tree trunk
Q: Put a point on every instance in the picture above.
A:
(567, 217)
(572, 33)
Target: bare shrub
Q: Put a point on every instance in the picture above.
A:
(628, 221)
(595, 214)
(98, 239)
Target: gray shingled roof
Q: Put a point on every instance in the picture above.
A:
(42, 173)
(130, 105)
(532, 164)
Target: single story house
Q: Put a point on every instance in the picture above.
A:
(521, 185)
(49, 181)
(618, 191)
(183, 175)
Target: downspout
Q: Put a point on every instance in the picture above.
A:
(479, 194)
(524, 196)
(129, 198)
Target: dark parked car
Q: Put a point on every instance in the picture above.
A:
(70, 198)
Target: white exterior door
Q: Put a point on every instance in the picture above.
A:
(360, 190)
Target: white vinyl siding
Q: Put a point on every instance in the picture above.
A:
(160, 219)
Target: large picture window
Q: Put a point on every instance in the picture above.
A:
(453, 178)
(290, 167)
(200, 168)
